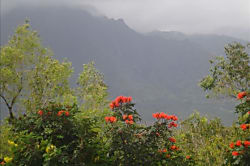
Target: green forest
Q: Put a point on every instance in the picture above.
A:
(51, 123)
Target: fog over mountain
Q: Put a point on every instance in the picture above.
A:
(160, 70)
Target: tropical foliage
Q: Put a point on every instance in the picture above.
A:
(51, 123)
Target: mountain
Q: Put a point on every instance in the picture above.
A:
(160, 70)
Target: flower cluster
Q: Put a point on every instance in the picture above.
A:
(110, 119)
(12, 143)
(162, 115)
(241, 95)
(162, 150)
(128, 119)
(172, 124)
(171, 139)
(60, 113)
(40, 112)
(245, 126)
(50, 148)
(119, 100)
(238, 144)
(174, 147)
(6, 160)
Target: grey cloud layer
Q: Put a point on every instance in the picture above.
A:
(190, 16)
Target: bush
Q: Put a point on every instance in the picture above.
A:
(135, 144)
(206, 141)
(53, 137)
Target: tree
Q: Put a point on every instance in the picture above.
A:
(29, 74)
(92, 90)
(230, 74)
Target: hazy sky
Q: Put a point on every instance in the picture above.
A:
(189, 16)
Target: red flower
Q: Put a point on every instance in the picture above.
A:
(119, 99)
(129, 99)
(129, 122)
(40, 112)
(117, 104)
(246, 143)
(107, 119)
(241, 95)
(158, 134)
(172, 124)
(155, 115)
(248, 112)
(66, 113)
(161, 115)
(124, 99)
(171, 139)
(164, 150)
(130, 117)
(112, 105)
(174, 118)
(173, 147)
(124, 117)
(60, 113)
(188, 157)
(238, 143)
(243, 126)
(231, 145)
(234, 153)
(110, 119)
(168, 117)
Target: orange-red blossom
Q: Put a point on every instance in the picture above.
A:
(245, 126)
(128, 119)
(171, 139)
(60, 113)
(110, 119)
(119, 100)
(162, 115)
(40, 112)
(239, 143)
(241, 95)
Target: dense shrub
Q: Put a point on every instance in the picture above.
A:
(239, 149)
(53, 137)
(205, 140)
(132, 143)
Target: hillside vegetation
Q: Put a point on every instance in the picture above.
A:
(53, 124)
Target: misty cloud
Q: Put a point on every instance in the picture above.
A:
(189, 16)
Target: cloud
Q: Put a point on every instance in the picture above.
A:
(185, 15)
(190, 16)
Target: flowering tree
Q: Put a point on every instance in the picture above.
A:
(230, 76)
(52, 136)
(132, 143)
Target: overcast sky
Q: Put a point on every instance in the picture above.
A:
(189, 16)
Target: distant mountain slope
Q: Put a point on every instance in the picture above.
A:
(160, 71)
